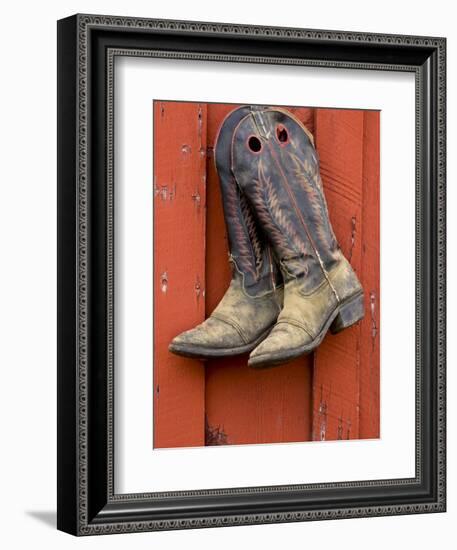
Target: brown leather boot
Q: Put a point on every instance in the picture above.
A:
(276, 165)
(251, 304)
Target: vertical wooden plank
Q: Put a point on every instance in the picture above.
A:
(339, 141)
(243, 405)
(305, 115)
(369, 345)
(179, 268)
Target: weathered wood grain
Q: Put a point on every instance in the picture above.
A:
(369, 425)
(336, 382)
(244, 405)
(179, 269)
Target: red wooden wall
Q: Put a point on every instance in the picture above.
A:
(331, 394)
(179, 269)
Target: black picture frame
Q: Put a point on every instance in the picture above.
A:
(87, 45)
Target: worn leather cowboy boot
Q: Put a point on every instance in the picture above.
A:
(275, 163)
(252, 302)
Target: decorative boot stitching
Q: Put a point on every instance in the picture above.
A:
(253, 231)
(245, 257)
(317, 201)
(300, 217)
(298, 324)
(276, 222)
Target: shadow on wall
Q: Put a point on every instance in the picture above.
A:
(48, 517)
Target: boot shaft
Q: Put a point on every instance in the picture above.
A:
(252, 257)
(276, 165)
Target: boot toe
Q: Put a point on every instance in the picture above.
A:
(284, 343)
(210, 336)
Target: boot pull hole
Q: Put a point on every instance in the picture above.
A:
(254, 144)
(282, 135)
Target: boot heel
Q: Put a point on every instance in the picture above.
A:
(349, 314)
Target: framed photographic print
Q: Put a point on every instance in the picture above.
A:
(251, 274)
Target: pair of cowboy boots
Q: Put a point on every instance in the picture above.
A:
(290, 281)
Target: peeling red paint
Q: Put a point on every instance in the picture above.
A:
(215, 435)
(198, 288)
(340, 428)
(348, 433)
(374, 328)
(164, 282)
(200, 123)
(196, 197)
(353, 234)
(322, 415)
(164, 192)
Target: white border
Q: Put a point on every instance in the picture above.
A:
(138, 468)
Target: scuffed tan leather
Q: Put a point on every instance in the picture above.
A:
(305, 313)
(237, 320)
